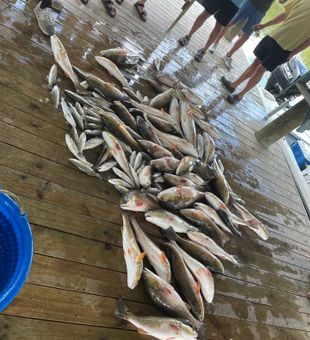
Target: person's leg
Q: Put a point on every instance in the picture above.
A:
(43, 13)
(253, 81)
(228, 57)
(223, 32)
(197, 24)
(246, 74)
(214, 34)
(244, 37)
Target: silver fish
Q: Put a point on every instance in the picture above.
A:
(201, 273)
(106, 89)
(138, 161)
(93, 143)
(209, 147)
(82, 142)
(132, 158)
(107, 166)
(213, 215)
(179, 181)
(165, 219)
(211, 130)
(73, 148)
(124, 114)
(178, 143)
(62, 59)
(74, 135)
(155, 150)
(187, 164)
(195, 179)
(165, 164)
(121, 189)
(200, 146)
(166, 298)
(156, 85)
(112, 69)
(162, 328)
(116, 151)
(52, 76)
(134, 176)
(78, 98)
(138, 201)
(67, 113)
(120, 182)
(123, 176)
(155, 256)
(179, 197)
(55, 95)
(162, 99)
(133, 256)
(145, 176)
(209, 244)
(78, 119)
(80, 110)
(84, 167)
(187, 122)
(191, 96)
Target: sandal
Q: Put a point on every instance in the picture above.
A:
(227, 84)
(141, 10)
(184, 40)
(119, 1)
(199, 55)
(109, 6)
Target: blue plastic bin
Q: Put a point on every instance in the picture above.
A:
(299, 156)
(16, 249)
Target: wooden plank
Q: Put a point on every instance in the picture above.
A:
(59, 196)
(68, 275)
(19, 328)
(53, 243)
(55, 305)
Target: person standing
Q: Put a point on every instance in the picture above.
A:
(252, 13)
(223, 12)
(43, 13)
(287, 40)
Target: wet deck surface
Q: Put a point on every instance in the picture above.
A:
(78, 269)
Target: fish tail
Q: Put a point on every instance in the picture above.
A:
(122, 312)
(170, 234)
(201, 328)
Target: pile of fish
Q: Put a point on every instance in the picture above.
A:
(161, 152)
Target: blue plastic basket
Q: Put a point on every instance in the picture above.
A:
(16, 249)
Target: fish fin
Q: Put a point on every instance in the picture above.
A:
(170, 234)
(163, 257)
(121, 311)
(142, 331)
(197, 287)
(140, 257)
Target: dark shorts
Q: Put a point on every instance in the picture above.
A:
(223, 10)
(270, 53)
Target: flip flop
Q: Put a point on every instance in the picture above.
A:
(109, 6)
(141, 10)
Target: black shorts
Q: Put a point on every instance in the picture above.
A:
(270, 53)
(223, 10)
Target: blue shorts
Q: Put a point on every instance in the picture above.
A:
(249, 13)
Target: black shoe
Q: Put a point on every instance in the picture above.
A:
(233, 99)
(227, 84)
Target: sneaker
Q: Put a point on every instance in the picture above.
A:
(199, 55)
(227, 84)
(233, 99)
(57, 5)
(213, 47)
(228, 61)
(184, 40)
(45, 20)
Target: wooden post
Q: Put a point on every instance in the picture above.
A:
(284, 124)
(187, 5)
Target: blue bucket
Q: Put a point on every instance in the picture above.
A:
(16, 249)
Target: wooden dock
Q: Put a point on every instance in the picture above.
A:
(78, 269)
